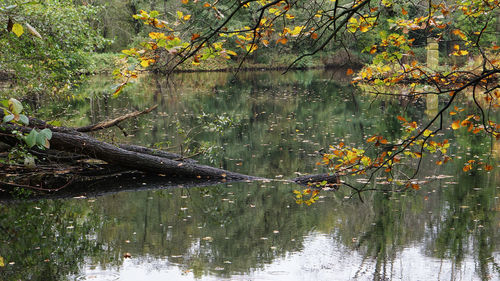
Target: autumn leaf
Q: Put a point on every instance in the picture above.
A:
(459, 33)
(455, 125)
(18, 29)
(195, 36)
(350, 71)
(185, 1)
(282, 41)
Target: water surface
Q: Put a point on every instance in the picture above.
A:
(268, 125)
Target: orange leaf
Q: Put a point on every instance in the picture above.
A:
(455, 125)
(403, 11)
(488, 167)
(350, 71)
(401, 118)
(282, 41)
(185, 1)
(195, 36)
(314, 35)
(206, 5)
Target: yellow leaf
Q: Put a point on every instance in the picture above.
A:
(296, 30)
(186, 17)
(2, 263)
(145, 63)
(18, 29)
(185, 1)
(455, 125)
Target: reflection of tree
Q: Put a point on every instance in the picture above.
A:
(469, 220)
(46, 240)
(237, 229)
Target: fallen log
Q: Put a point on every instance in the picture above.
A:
(327, 179)
(76, 144)
(156, 152)
(137, 161)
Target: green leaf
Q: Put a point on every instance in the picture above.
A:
(24, 119)
(8, 118)
(47, 133)
(15, 106)
(42, 141)
(18, 29)
(31, 138)
(55, 123)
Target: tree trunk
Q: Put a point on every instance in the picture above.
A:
(137, 161)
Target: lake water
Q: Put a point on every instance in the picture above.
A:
(268, 125)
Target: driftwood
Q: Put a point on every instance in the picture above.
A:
(69, 144)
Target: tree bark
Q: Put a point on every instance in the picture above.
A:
(138, 161)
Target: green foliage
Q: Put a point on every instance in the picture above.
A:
(49, 54)
(12, 112)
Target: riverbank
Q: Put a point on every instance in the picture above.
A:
(102, 63)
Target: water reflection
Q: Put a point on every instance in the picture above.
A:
(448, 230)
